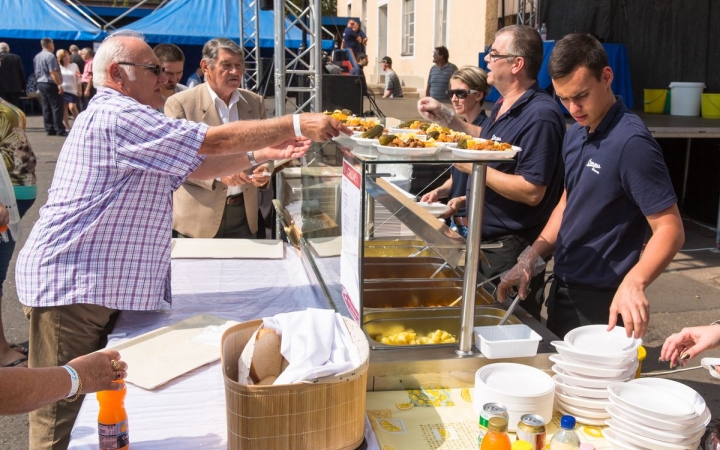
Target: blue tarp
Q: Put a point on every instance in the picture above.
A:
(36, 19)
(194, 22)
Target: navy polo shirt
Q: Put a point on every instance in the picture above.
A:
(460, 179)
(536, 125)
(615, 177)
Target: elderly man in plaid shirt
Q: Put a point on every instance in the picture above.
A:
(102, 243)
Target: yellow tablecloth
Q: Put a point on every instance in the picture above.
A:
(440, 418)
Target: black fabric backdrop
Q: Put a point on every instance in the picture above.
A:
(666, 40)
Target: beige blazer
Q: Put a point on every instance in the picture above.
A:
(198, 205)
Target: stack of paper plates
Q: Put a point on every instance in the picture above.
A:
(591, 359)
(521, 389)
(657, 414)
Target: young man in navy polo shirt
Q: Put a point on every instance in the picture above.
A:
(522, 192)
(616, 183)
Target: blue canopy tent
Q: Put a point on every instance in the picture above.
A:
(194, 22)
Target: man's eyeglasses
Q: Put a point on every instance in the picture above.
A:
(156, 69)
(460, 93)
(494, 56)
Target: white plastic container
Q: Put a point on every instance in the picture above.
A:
(506, 341)
(685, 98)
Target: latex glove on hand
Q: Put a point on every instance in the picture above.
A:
(435, 111)
(529, 264)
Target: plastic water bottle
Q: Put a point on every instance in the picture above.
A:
(543, 32)
(113, 420)
(566, 438)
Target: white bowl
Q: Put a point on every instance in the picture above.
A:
(676, 388)
(594, 371)
(578, 391)
(643, 442)
(651, 402)
(517, 380)
(581, 380)
(570, 354)
(582, 402)
(596, 340)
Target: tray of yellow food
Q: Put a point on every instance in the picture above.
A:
(485, 149)
(406, 146)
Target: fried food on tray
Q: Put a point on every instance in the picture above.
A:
(484, 144)
(410, 337)
(409, 142)
(415, 125)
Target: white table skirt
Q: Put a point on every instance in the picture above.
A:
(189, 411)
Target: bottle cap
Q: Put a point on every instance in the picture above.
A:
(567, 422)
(521, 445)
(498, 424)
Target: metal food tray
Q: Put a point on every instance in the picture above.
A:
(419, 293)
(408, 268)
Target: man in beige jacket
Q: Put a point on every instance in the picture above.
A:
(226, 207)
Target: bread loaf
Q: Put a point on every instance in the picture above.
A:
(266, 357)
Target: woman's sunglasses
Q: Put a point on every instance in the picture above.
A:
(460, 93)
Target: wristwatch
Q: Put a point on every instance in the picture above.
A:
(251, 158)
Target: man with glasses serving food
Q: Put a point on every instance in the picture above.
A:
(522, 192)
(102, 242)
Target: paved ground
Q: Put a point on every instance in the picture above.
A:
(687, 294)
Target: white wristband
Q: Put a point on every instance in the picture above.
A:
(296, 125)
(74, 378)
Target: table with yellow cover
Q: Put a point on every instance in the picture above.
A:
(440, 418)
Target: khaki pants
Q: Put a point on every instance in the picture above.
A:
(57, 335)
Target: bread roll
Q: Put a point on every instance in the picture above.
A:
(266, 358)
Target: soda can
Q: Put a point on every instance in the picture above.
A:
(531, 428)
(489, 411)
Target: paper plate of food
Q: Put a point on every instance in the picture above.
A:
(405, 146)
(485, 149)
(364, 141)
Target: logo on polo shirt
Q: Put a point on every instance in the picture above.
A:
(495, 138)
(593, 166)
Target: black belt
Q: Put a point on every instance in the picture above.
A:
(459, 220)
(234, 199)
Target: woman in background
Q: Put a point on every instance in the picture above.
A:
(468, 89)
(71, 85)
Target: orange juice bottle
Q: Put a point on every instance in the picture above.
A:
(497, 437)
(113, 420)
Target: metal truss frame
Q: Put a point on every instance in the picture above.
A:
(529, 7)
(293, 67)
(250, 42)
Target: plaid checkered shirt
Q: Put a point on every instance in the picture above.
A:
(104, 235)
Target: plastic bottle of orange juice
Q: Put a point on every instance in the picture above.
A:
(497, 437)
(113, 419)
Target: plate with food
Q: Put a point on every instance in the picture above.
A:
(364, 141)
(405, 146)
(485, 149)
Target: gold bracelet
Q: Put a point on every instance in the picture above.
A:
(77, 394)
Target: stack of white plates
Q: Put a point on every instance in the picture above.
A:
(591, 359)
(521, 389)
(655, 414)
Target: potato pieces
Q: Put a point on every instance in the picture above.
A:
(410, 337)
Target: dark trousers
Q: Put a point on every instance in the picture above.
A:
(52, 107)
(572, 307)
(12, 97)
(234, 223)
(504, 258)
(85, 100)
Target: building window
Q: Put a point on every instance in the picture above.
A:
(408, 27)
(441, 7)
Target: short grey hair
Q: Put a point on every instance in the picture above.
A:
(212, 48)
(4, 47)
(112, 50)
(74, 48)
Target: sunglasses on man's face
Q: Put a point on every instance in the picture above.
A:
(460, 93)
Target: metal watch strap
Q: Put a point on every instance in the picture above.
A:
(251, 158)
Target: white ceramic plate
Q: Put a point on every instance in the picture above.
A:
(596, 340)
(578, 391)
(582, 402)
(643, 442)
(405, 151)
(484, 154)
(517, 380)
(654, 432)
(679, 389)
(583, 381)
(570, 354)
(436, 209)
(364, 141)
(620, 410)
(594, 371)
(649, 401)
